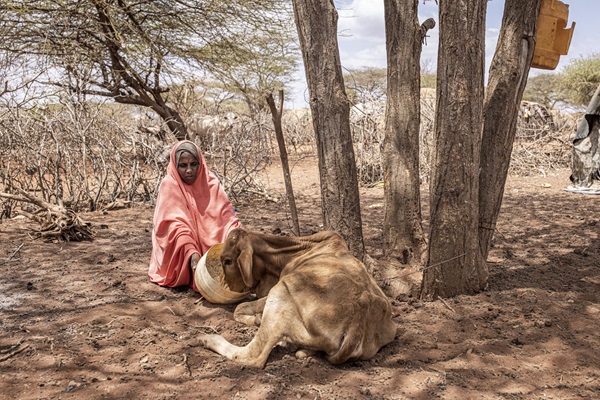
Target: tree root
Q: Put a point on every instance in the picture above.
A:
(56, 221)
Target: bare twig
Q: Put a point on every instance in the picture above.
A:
(428, 24)
(6, 357)
(205, 328)
(11, 348)
(446, 304)
(15, 252)
(186, 365)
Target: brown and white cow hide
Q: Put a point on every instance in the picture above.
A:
(312, 292)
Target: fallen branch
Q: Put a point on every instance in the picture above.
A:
(11, 348)
(117, 205)
(446, 304)
(6, 357)
(15, 252)
(57, 222)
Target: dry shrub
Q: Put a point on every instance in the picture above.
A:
(543, 144)
(426, 134)
(298, 131)
(77, 155)
(368, 131)
(542, 141)
(91, 156)
(242, 154)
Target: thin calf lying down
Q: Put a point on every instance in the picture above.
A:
(312, 292)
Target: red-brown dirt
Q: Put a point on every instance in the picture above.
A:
(82, 321)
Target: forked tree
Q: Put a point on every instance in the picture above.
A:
(276, 115)
(472, 149)
(473, 140)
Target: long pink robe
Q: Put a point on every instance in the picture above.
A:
(187, 219)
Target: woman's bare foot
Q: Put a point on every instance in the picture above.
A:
(194, 259)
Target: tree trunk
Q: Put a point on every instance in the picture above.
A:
(402, 229)
(316, 21)
(506, 83)
(454, 263)
(276, 114)
(173, 120)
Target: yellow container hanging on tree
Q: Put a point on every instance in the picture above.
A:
(553, 38)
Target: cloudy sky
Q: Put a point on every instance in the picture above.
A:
(361, 36)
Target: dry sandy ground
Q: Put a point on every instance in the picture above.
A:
(81, 320)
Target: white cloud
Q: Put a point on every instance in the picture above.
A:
(361, 35)
(362, 19)
(361, 27)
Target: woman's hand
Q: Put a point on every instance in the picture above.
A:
(194, 259)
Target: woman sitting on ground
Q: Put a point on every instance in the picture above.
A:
(192, 214)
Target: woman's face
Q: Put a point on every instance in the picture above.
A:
(188, 168)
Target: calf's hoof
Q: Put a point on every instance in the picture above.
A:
(304, 353)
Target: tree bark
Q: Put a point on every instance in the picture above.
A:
(402, 229)
(506, 83)
(173, 120)
(276, 114)
(454, 263)
(316, 21)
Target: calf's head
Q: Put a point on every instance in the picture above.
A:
(236, 259)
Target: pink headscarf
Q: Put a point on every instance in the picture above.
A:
(187, 219)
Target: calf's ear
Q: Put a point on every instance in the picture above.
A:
(245, 265)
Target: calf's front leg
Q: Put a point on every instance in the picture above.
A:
(279, 322)
(250, 313)
(254, 354)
